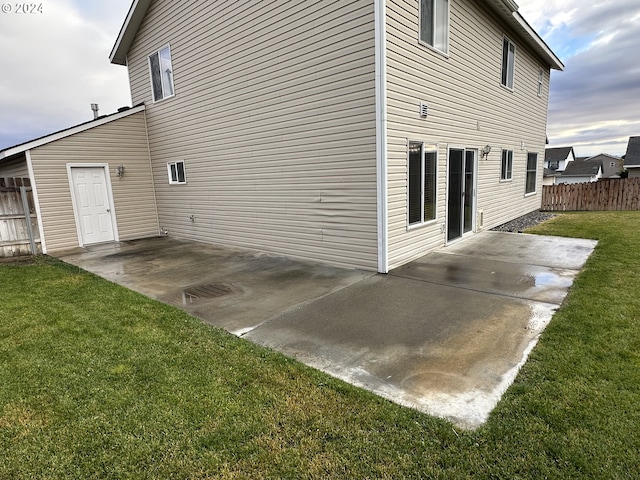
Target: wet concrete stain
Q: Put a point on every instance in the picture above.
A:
(446, 333)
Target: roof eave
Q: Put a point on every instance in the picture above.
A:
(128, 31)
(538, 43)
(23, 147)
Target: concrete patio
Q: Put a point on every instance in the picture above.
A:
(445, 334)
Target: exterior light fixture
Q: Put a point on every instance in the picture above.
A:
(486, 151)
(120, 170)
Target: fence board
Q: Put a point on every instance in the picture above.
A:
(18, 228)
(603, 195)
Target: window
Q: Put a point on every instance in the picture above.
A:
(176, 172)
(161, 74)
(506, 171)
(540, 82)
(508, 63)
(532, 172)
(434, 24)
(422, 183)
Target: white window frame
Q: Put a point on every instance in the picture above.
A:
(540, 82)
(533, 172)
(439, 28)
(175, 179)
(506, 165)
(424, 150)
(167, 87)
(508, 63)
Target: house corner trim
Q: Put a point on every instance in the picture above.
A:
(381, 133)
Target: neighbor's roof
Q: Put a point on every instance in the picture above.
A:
(632, 157)
(557, 154)
(67, 132)
(507, 9)
(583, 168)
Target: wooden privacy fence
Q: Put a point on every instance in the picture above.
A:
(18, 221)
(605, 194)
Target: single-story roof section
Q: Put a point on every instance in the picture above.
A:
(580, 168)
(557, 154)
(632, 157)
(507, 9)
(23, 147)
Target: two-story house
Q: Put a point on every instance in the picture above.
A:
(361, 134)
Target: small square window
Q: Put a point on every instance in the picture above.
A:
(176, 172)
(506, 170)
(508, 63)
(161, 74)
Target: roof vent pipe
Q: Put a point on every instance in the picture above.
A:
(94, 107)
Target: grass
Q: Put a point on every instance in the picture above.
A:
(99, 382)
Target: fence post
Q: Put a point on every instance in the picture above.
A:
(27, 217)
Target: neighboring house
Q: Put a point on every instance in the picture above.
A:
(361, 134)
(556, 161)
(581, 170)
(632, 157)
(612, 166)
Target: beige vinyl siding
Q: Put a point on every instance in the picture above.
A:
(121, 142)
(274, 117)
(469, 108)
(14, 168)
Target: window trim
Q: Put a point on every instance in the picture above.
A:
(173, 88)
(540, 82)
(535, 175)
(504, 80)
(177, 180)
(445, 50)
(506, 173)
(424, 150)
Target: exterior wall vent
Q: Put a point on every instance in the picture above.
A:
(424, 110)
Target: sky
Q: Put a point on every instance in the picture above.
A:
(55, 64)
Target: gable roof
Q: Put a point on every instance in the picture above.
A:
(583, 168)
(632, 157)
(507, 9)
(128, 31)
(557, 154)
(67, 132)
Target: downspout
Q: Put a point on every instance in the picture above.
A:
(36, 201)
(381, 133)
(153, 180)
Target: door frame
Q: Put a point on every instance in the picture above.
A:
(474, 206)
(74, 201)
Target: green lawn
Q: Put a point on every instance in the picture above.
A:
(99, 382)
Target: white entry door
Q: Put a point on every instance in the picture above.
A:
(92, 204)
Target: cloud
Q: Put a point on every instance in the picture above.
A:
(55, 64)
(594, 103)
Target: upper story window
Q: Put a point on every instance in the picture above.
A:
(161, 74)
(508, 63)
(540, 82)
(434, 24)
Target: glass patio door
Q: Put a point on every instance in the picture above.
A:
(461, 198)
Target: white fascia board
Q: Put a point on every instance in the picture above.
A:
(67, 133)
(537, 42)
(128, 31)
